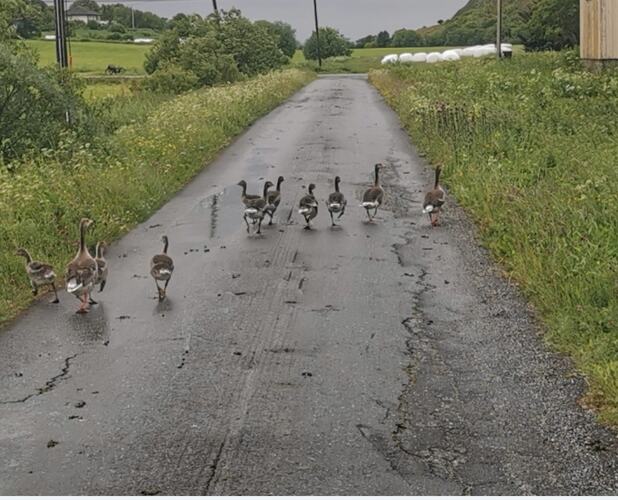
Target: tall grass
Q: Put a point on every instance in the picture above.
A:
(530, 147)
(42, 198)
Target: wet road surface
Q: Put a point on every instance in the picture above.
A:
(373, 359)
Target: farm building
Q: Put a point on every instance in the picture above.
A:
(599, 30)
(77, 13)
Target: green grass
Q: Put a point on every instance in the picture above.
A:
(361, 60)
(93, 57)
(529, 147)
(120, 182)
(104, 90)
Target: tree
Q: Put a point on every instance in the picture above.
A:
(383, 39)
(361, 43)
(554, 25)
(87, 4)
(124, 15)
(332, 44)
(254, 49)
(284, 33)
(216, 49)
(405, 38)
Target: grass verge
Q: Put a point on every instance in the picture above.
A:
(530, 147)
(122, 183)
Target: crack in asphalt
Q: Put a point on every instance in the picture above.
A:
(49, 385)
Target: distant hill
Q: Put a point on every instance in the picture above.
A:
(475, 23)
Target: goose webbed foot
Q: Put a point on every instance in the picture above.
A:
(92, 302)
(83, 308)
(55, 301)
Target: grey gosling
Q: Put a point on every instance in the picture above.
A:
(374, 196)
(161, 268)
(434, 199)
(39, 273)
(308, 206)
(336, 202)
(273, 200)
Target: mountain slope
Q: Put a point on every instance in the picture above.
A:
(475, 23)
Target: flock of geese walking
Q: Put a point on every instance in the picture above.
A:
(85, 271)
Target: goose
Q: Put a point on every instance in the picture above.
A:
(308, 206)
(273, 199)
(81, 272)
(255, 209)
(40, 274)
(374, 196)
(161, 268)
(101, 265)
(336, 202)
(434, 199)
(244, 197)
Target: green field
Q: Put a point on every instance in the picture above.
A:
(93, 57)
(361, 60)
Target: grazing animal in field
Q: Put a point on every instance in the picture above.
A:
(112, 69)
(308, 206)
(161, 269)
(336, 202)
(273, 200)
(39, 273)
(101, 265)
(81, 273)
(374, 196)
(255, 206)
(434, 199)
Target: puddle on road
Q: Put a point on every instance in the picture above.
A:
(222, 211)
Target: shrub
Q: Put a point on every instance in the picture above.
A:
(284, 34)
(332, 44)
(35, 102)
(217, 49)
(171, 78)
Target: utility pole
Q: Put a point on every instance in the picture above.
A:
(317, 31)
(132, 17)
(62, 55)
(214, 7)
(499, 30)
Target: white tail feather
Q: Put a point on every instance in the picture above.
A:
(428, 209)
(369, 204)
(73, 286)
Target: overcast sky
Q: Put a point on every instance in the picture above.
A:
(354, 18)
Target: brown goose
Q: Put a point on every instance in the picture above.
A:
(374, 196)
(81, 272)
(161, 268)
(434, 199)
(255, 209)
(40, 274)
(273, 200)
(336, 202)
(308, 206)
(101, 265)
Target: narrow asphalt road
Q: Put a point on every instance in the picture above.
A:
(375, 359)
